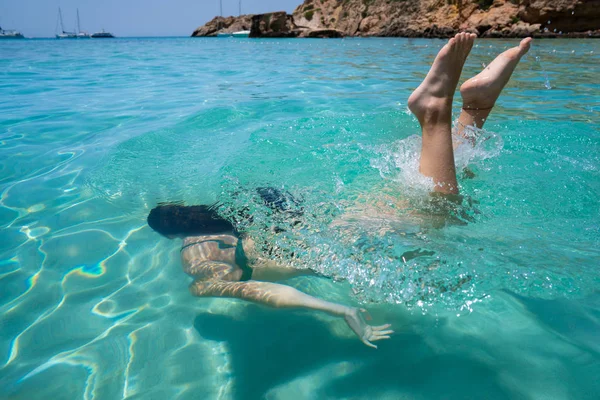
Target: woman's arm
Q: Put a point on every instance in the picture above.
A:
(281, 296)
(272, 271)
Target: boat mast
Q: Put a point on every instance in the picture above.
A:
(78, 25)
(62, 26)
(240, 12)
(221, 14)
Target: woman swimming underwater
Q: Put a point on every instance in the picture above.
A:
(226, 263)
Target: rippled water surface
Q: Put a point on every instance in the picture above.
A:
(503, 301)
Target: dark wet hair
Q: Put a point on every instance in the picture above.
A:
(177, 219)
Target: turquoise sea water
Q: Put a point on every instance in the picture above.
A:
(93, 304)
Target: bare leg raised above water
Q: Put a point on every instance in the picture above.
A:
(431, 103)
(480, 93)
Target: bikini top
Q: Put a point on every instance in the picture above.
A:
(240, 256)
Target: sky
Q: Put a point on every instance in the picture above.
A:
(38, 18)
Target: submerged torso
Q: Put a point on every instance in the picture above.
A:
(217, 256)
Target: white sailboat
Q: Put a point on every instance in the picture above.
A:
(81, 34)
(64, 34)
(10, 34)
(221, 34)
(238, 34)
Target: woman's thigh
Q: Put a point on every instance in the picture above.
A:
(214, 270)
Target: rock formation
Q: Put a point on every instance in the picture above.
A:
(277, 24)
(270, 25)
(442, 18)
(224, 25)
(425, 18)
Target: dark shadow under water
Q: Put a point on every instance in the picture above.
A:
(272, 347)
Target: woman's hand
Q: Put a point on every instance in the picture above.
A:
(364, 331)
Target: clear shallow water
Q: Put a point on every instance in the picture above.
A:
(94, 304)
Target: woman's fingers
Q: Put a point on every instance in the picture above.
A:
(365, 341)
(376, 338)
(381, 327)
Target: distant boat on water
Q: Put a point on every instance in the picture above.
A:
(241, 34)
(63, 34)
(10, 34)
(102, 35)
(238, 34)
(81, 34)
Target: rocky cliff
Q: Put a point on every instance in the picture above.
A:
(224, 25)
(489, 18)
(427, 18)
(277, 24)
(273, 25)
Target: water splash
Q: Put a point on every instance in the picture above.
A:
(547, 84)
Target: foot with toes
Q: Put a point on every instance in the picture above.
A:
(433, 98)
(481, 91)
